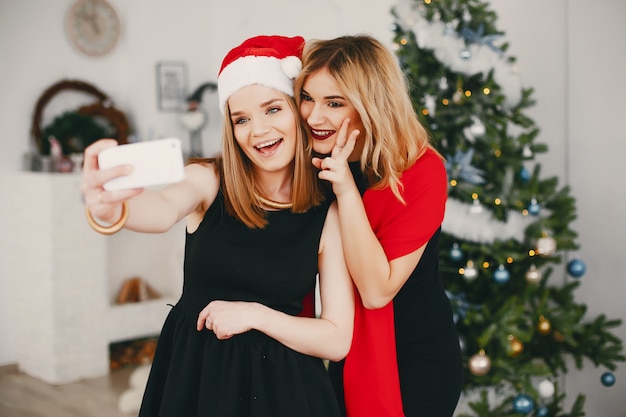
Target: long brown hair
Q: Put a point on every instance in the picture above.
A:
(237, 176)
(373, 82)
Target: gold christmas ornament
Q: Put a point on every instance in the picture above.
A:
(457, 96)
(479, 364)
(515, 346)
(544, 326)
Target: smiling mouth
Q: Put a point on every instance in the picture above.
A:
(321, 134)
(269, 146)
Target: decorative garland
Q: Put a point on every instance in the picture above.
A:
(103, 107)
(113, 115)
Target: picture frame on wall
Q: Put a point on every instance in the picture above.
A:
(171, 84)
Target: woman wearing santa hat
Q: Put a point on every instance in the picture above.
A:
(258, 232)
(391, 189)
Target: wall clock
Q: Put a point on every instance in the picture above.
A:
(93, 27)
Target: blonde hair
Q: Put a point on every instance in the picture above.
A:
(237, 175)
(373, 82)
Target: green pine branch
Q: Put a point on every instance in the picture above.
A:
(491, 315)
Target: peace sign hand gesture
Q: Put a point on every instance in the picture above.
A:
(334, 168)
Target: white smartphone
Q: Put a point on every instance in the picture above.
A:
(155, 162)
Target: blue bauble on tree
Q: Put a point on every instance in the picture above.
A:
(524, 174)
(534, 208)
(576, 268)
(607, 379)
(456, 254)
(523, 404)
(501, 275)
(542, 411)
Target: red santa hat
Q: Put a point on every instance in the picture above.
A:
(273, 61)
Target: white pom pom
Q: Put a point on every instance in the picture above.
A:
(546, 389)
(291, 66)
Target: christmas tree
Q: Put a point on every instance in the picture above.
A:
(507, 228)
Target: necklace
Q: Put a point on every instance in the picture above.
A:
(273, 204)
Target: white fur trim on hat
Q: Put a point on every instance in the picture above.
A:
(263, 70)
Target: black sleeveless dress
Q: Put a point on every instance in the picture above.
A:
(196, 375)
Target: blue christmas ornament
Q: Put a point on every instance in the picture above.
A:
(460, 305)
(523, 404)
(524, 174)
(607, 379)
(460, 167)
(471, 36)
(542, 411)
(534, 208)
(501, 275)
(576, 268)
(456, 254)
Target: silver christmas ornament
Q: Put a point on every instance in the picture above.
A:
(533, 275)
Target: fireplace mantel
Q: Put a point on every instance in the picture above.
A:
(66, 277)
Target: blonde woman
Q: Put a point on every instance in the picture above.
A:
(258, 232)
(390, 185)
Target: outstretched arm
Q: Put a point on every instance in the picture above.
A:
(328, 337)
(150, 211)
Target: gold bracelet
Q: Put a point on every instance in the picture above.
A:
(112, 229)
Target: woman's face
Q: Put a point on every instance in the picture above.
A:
(264, 126)
(324, 107)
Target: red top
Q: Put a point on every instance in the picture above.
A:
(371, 382)
(402, 229)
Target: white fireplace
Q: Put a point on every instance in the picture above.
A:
(66, 278)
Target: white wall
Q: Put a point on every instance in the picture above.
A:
(570, 51)
(35, 54)
(594, 161)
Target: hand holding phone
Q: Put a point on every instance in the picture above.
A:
(156, 162)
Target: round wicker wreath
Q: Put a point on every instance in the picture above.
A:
(103, 107)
